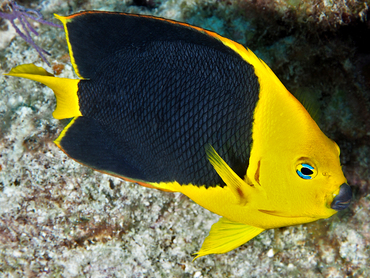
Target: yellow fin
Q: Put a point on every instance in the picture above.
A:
(232, 180)
(65, 89)
(28, 69)
(226, 235)
(167, 186)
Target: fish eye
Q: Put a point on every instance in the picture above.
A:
(306, 171)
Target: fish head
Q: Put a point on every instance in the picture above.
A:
(316, 171)
(302, 177)
(293, 162)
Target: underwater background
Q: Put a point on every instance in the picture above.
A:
(59, 218)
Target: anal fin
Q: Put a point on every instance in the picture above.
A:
(226, 235)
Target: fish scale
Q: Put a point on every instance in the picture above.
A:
(187, 106)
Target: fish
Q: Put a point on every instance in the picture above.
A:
(178, 108)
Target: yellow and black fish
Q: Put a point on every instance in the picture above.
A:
(179, 108)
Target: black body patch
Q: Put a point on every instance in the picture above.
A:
(94, 36)
(155, 104)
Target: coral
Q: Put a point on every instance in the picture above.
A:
(15, 12)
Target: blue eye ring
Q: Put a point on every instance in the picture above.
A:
(306, 171)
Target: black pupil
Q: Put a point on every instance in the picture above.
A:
(306, 171)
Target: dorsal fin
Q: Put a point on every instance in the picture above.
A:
(91, 44)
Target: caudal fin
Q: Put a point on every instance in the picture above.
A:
(65, 89)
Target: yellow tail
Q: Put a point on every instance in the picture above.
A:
(65, 89)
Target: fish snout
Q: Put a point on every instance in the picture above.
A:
(343, 199)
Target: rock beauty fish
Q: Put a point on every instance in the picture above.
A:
(179, 108)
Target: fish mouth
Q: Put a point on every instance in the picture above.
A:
(343, 199)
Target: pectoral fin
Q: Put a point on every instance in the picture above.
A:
(226, 235)
(232, 180)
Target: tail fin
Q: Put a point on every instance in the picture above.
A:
(65, 89)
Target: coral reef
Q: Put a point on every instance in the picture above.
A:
(60, 218)
(23, 15)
